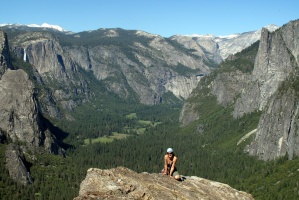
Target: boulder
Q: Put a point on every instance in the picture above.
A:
(123, 183)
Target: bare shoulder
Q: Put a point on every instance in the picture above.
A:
(165, 157)
(175, 158)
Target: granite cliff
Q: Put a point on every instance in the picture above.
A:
(122, 183)
(52, 68)
(276, 73)
(132, 64)
(219, 48)
(128, 63)
(267, 82)
(21, 120)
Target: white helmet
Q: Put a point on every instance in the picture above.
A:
(169, 150)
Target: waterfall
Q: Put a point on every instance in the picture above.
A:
(24, 55)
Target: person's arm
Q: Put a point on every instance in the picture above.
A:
(165, 164)
(173, 165)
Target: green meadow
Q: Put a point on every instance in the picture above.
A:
(138, 128)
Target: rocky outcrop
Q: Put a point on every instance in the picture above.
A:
(20, 116)
(122, 183)
(277, 132)
(19, 112)
(5, 61)
(15, 163)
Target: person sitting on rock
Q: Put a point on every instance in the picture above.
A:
(170, 161)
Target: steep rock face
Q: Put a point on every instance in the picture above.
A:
(127, 62)
(16, 103)
(20, 117)
(204, 46)
(116, 70)
(150, 66)
(235, 43)
(43, 51)
(5, 61)
(122, 183)
(272, 89)
(227, 85)
(274, 63)
(188, 114)
(182, 86)
(21, 122)
(53, 68)
(277, 132)
(15, 164)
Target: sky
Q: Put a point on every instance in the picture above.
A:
(162, 17)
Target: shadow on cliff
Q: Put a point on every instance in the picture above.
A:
(59, 134)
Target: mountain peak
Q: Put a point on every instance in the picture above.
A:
(44, 25)
(271, 27)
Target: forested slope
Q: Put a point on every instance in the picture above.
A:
(206, 147)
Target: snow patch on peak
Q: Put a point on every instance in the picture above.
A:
(271, 27)
(44, 25)
(229, 44)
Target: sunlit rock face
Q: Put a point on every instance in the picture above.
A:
(5, 62)
(270, 88)
(21, 122)
(20, 117)
(273, 90)
(122, 183)
(218, 48)
(152, 67)
(273, 65)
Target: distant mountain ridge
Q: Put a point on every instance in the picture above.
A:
(229, 44)
(44, 25)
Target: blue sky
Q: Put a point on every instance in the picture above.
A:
(163, 17)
